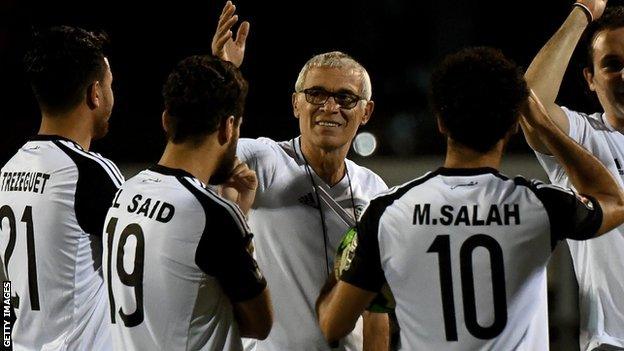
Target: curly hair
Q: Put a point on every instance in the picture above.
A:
(199, 94)
(62, 63)
(613, 18)
(477, 93)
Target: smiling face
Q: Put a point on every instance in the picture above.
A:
(329, 126)
(608, 70)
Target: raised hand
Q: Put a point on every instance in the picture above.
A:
(224, 45)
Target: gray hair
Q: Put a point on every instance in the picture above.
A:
(336, 59)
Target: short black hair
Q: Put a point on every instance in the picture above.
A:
(477, 93)
(200, 93)
(61, 64)
(612, 18)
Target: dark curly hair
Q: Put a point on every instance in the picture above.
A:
(477, 93)
(613, 18)
(62, 63)
(201, 92)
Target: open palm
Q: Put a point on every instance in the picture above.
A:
(224, 45)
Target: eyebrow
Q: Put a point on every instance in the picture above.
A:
(610, 57)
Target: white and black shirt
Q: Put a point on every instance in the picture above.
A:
(53, 199)
(464, 252)
(292, 248)
(177, 257)
(598, 263)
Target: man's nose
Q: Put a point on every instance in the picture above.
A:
(330, 104)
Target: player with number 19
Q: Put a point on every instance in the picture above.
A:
(464, 248)
(178, 257)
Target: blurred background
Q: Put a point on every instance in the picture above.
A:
(398, 41)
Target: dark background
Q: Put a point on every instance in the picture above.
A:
(398, 41)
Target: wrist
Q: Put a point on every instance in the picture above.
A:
(584, 8)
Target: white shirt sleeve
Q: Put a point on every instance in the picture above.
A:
(585, 130)
(260, 155)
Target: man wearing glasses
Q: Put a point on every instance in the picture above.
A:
(308, 192)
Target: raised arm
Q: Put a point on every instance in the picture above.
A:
(224, 45)
(547, 69)
(588, 175)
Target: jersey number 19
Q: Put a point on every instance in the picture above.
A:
(133, 279)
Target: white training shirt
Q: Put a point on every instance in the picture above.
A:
(290, 247)
(464, 252)
(53, 200)
(598, 263)
(177, 256)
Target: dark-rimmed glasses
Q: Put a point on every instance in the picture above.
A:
(318, 96)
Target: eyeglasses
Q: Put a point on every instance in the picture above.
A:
(318, 96)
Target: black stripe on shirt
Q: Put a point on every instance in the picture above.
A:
(224, 250)
(95, 190)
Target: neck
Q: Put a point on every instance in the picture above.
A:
(458, 156)
(198, 160)
(616, 123)
(327, 164)
(73, 126)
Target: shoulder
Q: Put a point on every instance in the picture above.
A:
(91, 164)
(256, 145)
(250, 150)
(593, 120)
(216, 208)
(537, 186)
(386, 198)
(366, 177)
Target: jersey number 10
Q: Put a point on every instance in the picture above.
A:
(442, 246)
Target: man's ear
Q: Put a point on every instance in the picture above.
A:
(368, 111)
(295, 105)
(589, 78)
(93, 95)
(441, 128)
(164, 120)
(226, 130)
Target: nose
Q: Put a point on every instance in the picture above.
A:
(330, 105)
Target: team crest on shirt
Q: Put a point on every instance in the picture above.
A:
(308, 200)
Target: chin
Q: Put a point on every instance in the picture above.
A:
(330, 143)
(100, 132)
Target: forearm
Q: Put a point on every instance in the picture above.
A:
(322, 302)
(545, 74)
(255, 316)
(376, 331)
(547, 69)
